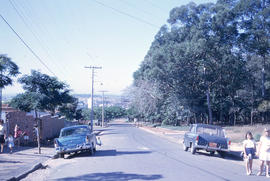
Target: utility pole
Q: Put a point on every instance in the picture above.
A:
(92, 95)
(102, 124)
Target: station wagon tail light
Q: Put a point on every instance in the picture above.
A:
(86, 139)
(197, 139)
(56, 143)
(229, 142)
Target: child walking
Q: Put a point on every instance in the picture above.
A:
(10, 140)
(264, 152)
(249, 151)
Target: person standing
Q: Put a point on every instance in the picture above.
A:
(249, 151)
(10, 140)
(2, 134)
(264, 152)
(17, 135)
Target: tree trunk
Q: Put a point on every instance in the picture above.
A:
(234, 118)
(209, 106)
(251, 117)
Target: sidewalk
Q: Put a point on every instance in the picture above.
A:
(23, 160)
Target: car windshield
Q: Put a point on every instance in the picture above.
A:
(74, 131)
(211, 131)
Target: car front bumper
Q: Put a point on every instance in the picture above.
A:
(70, 149)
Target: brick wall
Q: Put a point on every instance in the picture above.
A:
(51, 126)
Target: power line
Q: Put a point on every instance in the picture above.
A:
(44, 47)
(126, 14)
(29, 48)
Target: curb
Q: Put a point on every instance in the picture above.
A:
(34, 168)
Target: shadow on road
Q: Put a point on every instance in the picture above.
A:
(7, 161)
(113, 176)
(102, 153)
(232, 155)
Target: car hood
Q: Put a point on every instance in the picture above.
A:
(71, 140)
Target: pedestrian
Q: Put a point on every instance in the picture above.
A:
(10, 141)
(17, 134)
(249, 151)
(264, 152)
(26, 136)
(2, 134)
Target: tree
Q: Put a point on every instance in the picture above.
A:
(44, 93)
(8, 69)
(54, 92)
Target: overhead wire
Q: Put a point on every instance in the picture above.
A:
(126, 14)
(33, 33)
(22, 13)
(28, 47)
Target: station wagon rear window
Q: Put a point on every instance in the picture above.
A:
(211, 131)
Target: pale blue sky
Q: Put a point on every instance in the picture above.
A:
(70, 34)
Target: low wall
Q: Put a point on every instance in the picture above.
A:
(51, 126)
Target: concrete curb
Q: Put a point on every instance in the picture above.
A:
(34, 168)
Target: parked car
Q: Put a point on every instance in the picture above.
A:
(206, 137)
(74, 139)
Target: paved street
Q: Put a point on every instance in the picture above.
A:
(129, 153)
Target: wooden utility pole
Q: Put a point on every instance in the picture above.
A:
(102, 124)
(92, 95)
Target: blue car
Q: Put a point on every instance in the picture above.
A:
(74, 139)
(210, 138)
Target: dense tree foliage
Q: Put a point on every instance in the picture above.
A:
(111, 112)
(46, 93)
(209, 64)
(8, 69)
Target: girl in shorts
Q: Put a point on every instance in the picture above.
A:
(249, 151)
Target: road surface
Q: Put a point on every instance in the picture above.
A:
(129, 153)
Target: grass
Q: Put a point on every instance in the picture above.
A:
(178, 128)
(237, 133)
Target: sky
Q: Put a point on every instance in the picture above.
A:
(68, 35)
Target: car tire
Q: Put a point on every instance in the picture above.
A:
(192, 149)
(212, 153)
(91, 151)
(222, 154)
(61, 155)
(185, 148)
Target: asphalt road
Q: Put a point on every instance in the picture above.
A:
(129, 153)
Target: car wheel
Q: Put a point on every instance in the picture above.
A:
(212, 153)
(185, 148)
(61, 155)
(192, 149)
(91, 151)
(222, 154)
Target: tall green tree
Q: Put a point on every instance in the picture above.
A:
(8, 69)
(54, 92)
